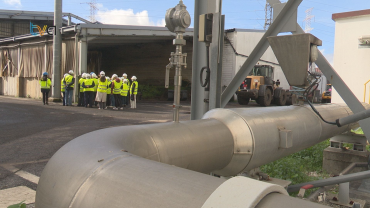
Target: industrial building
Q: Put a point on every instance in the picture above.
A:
(352, 52)
(136, 50)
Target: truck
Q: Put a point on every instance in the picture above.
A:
(261, 87)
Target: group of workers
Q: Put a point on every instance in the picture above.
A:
(105, 91)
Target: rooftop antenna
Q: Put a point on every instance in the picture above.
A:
(268, 16)
(93, 9)
(309, 16)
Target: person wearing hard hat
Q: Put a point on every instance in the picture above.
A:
(69, 82)
(124, 93)
(133, 91)
(45, 84)
(116, 91)
(101, 95)
(81, 97)
(88, 86)
(95, 79)
(124, 75)
(109, 93)
(63, 90)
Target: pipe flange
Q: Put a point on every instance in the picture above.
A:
(243, 140)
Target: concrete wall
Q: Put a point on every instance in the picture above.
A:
(8, 86)
(146, 61)
(351, 61)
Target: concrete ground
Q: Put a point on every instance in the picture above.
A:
(30, 133)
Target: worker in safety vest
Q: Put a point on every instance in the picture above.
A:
(124, 93)
(95, 79)
(116, 91)
(133, 91)
(124, 75)
(101, 95)
(81, 97)
(45, 84)
(69, 82)
(109, 93)
(63, 90)
(88, 86)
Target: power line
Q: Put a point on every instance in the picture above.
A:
(93, 9)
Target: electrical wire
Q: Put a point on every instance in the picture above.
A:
(310, 90)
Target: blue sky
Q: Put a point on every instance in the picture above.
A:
(247, 14)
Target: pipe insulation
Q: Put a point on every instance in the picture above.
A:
(162, 165)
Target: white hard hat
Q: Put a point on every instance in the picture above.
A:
(66, 74)
(125, 81)
(124, 75)
(114, 76)
(133, 78)
(102, 73)
(108, 78)
(94, 75)
(71, 72)
(88, 76)
(83, 75)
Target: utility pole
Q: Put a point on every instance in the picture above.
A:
(57, 51)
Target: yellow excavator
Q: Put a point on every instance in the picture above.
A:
(261, 87)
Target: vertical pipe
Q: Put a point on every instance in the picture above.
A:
(199, 60)
(76, 89)
(83, 56)
(69, 20)
(177, 80)
(57, 50)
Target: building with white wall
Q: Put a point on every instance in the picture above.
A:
(244, 41)
(352, 56)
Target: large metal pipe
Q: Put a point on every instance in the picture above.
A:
(107, 162)
(57, 50)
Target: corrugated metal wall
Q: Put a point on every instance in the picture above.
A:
(228, 61)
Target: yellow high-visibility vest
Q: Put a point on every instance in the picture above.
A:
(96, 84)
(117, 87)
(103, 86)
(63, 86)
(88, 82)
(45, 84)
(69, 79)
(80, 83)
(134, 91)
(109, 88)
(125, 89)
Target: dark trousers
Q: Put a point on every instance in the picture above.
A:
(89, 98)
(108, 100)
(45, 95)
(124, 100)
(81, 99)
(117, 99)
(64, 101)
(96, 103)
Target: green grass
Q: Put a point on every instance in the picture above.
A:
(297, 167)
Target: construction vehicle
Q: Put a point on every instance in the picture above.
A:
(326, 95)
(261, 87)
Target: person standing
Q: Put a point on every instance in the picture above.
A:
(124, 75)
(45, 84)
(108, 103)
(101, 95)
(124, 93)
(116, 91)
(95, 79)
(63, 90)
(81, 96)
(69, 83)
(88, 86)
(133, 91)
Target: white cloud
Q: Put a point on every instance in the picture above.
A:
(126, 17)
(13, 2)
